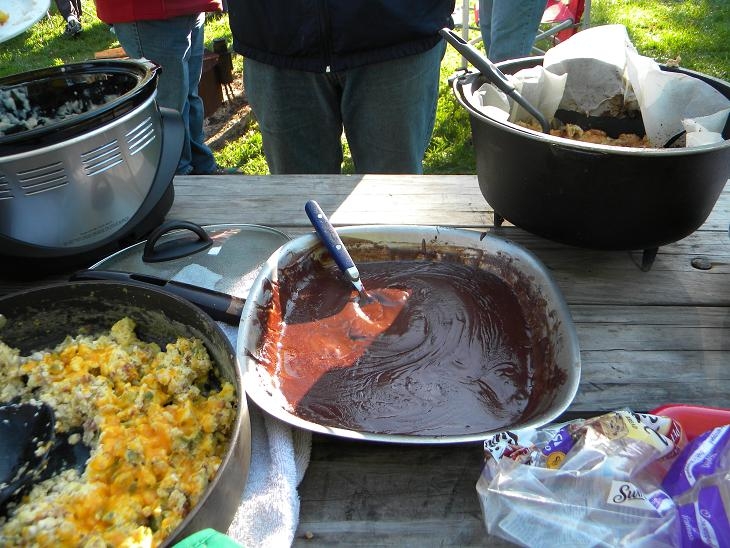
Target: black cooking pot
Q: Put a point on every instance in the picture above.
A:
(42, 317)
(590, 195)
(86, 183)
(105, 89)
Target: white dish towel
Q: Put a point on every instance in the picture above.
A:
(269, 511)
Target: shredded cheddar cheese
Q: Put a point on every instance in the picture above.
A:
(157, 436)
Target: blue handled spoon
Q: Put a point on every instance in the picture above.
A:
(337, 249)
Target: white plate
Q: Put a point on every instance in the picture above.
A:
(23, 15)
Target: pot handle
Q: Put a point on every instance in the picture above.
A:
(177, 248)
(218, 305)
(151, 66)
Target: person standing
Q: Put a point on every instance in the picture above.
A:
(315, 69)
(509, 27)
(171, 34)
(70, 10)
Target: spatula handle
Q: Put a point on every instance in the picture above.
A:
(331, 240)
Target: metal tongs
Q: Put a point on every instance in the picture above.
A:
(492, 74)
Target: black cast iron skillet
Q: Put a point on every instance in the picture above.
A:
(41, 318)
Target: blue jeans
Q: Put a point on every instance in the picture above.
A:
(509, 27)
(176, 45)
(387, 111)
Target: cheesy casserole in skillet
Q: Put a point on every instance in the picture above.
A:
(156, 425)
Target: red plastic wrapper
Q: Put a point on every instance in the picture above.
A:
(695, 419)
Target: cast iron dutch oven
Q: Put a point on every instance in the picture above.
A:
(591, 195)
(42, 317)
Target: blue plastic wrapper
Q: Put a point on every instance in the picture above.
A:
(699, 484)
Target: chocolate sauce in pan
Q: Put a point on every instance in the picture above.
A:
(445, 348)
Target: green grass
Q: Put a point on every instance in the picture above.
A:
(44, 44)
(697, 32)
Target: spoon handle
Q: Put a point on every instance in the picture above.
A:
(332, 241)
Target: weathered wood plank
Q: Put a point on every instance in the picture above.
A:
(712, 316)
(595, 397)
(651, 355)
(646, 338)
(358, 199)
(436, 532)
(637, 288)
(346, 200)
(366, 494)
(624, 367)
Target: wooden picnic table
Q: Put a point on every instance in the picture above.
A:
(647, 339)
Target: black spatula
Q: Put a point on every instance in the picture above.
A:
(26, 435)
(31, 451)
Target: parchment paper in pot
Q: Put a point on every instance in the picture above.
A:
(491, 101)
(540, 88)
(595, 63)
(672, 102)
(705, 130)
(608, 77)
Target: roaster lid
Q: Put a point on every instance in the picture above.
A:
(222, 257)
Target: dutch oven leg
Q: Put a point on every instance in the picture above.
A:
(647, 258)
(498, 219)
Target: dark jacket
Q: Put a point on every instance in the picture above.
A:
(322, 35)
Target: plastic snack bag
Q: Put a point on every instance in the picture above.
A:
(592, 482)
(699, 483)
